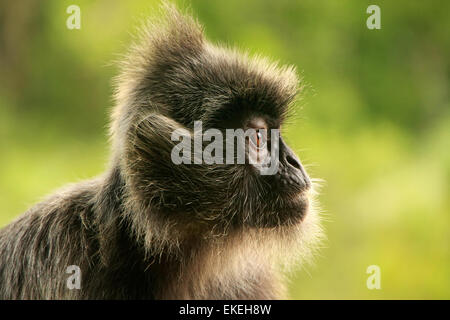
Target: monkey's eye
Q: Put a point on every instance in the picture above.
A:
(259, 138)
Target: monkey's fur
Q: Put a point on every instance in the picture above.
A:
(150, 229)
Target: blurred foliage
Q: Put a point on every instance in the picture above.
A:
(374, 122)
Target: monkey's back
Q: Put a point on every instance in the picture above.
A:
(37, 248)
(62, 231)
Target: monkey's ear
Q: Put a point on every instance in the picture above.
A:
(148, 163)
(152, 141)
(151, 136)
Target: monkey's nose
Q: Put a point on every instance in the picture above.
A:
(293, 162)
(295, 172)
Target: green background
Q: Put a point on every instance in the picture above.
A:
(374, 122)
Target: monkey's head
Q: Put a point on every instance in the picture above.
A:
(172, 79)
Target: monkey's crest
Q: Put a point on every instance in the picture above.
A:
(172, 69)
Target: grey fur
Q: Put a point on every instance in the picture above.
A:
(149, 229)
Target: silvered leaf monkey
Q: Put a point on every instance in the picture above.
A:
(152, 229)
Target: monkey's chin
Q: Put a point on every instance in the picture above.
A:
(296, 210)
(291, 211)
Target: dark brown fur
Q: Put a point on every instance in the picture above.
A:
(149, 229)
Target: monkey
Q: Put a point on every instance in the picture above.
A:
(148, 228)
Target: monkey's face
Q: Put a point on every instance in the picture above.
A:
(262, 195)
(221, 194)
(188, 80)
